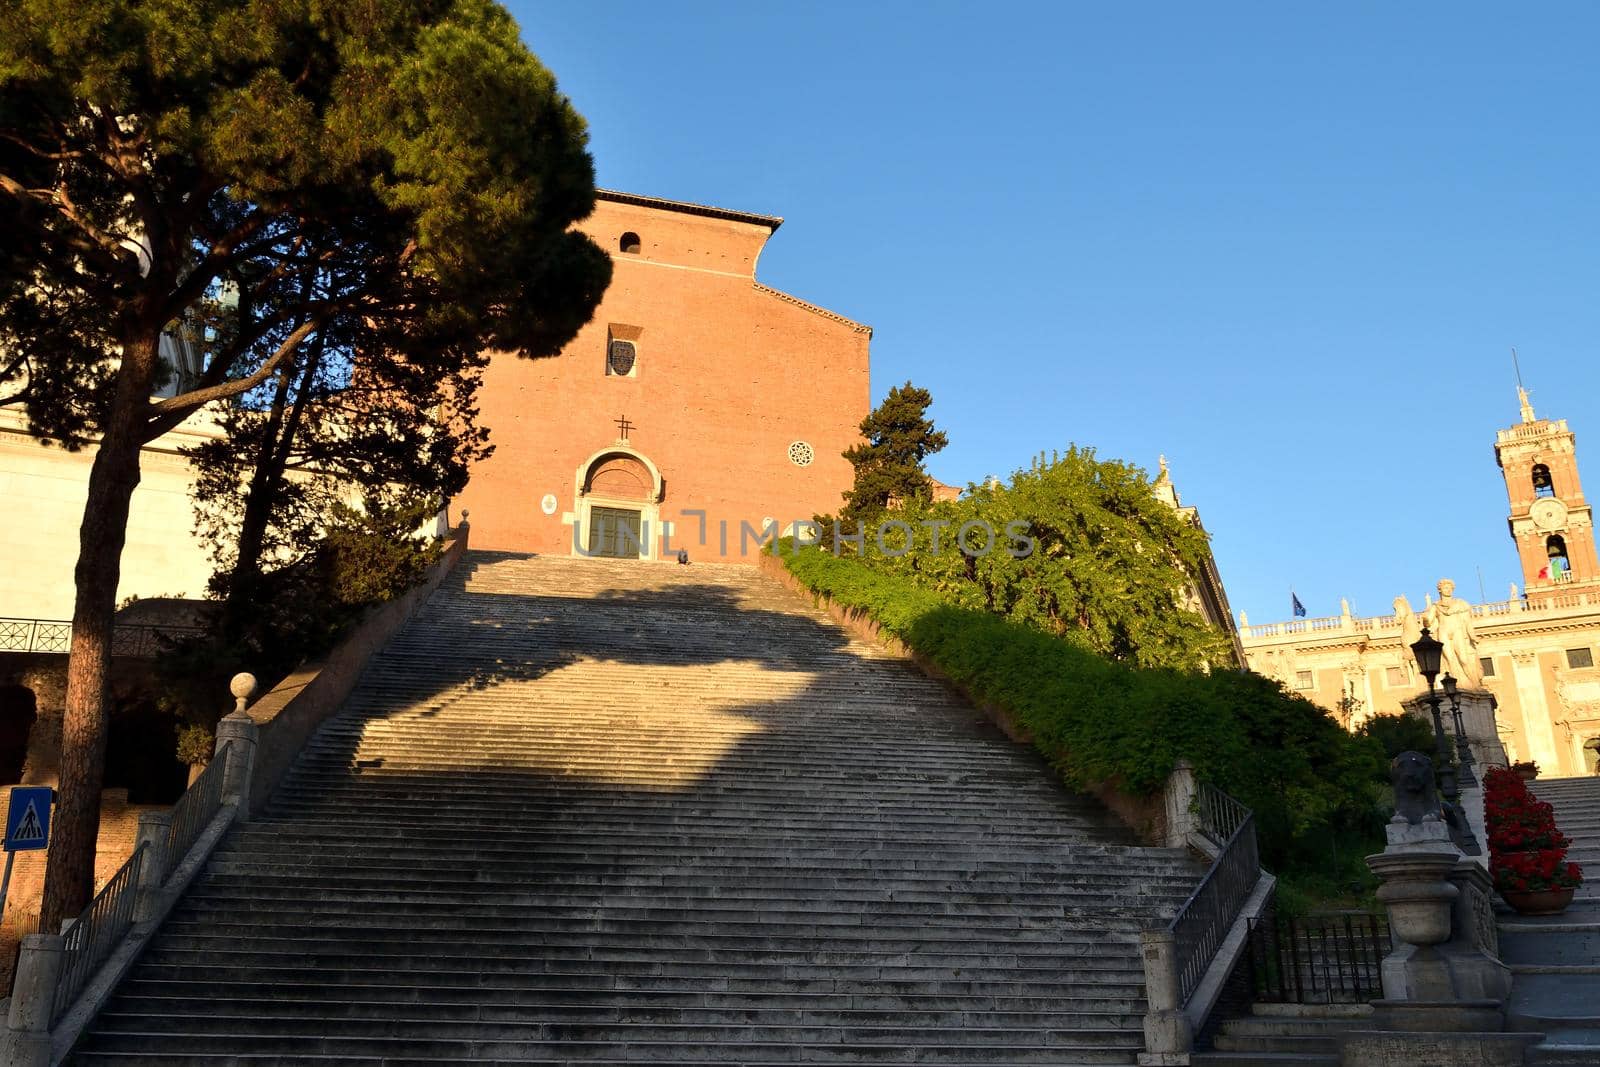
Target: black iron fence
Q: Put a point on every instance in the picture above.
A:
(1210, 912)
(55, 635)
(195, 809)
(1333, 958)
(98, 931)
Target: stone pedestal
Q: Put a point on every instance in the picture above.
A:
(1483, 731)
(1477, 719)
(1394, 1048)
(1444, 986)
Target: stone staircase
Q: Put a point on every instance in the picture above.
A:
(1285, 1035)
(1555, 960)
(587, 811)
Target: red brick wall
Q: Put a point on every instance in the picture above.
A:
(728, 375)
(119, 823)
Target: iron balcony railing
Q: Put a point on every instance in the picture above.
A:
(97, 932)
(1211, 910)
(194, 810)
(55, 635)
(1335, 958)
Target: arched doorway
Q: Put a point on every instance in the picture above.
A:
(617, 512)
(19, 709)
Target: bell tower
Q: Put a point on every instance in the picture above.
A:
(1550, 521)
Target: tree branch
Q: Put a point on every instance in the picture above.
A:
(166, 414)
(86, 240)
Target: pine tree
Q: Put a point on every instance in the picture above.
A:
(888, 464)
(401, 167)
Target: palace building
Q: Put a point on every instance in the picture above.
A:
(697, 410)
(1536, 651)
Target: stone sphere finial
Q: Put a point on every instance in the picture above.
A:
(464, 514)
(242, 686)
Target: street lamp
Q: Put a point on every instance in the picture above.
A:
(1428, 653)
(1463, 749)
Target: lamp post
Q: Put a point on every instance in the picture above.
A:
(1463, 749)
(1428, 653)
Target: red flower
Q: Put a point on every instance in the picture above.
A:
(1527, 853)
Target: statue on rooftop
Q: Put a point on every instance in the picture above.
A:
(1450, 619)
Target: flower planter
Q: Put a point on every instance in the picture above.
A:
(1540, 902)
(1526, 771)
(1527, 852)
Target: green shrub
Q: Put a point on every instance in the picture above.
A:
(1316, 790)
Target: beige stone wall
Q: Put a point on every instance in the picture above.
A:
(1548, 708)
(43, 487)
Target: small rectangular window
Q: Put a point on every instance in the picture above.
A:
(1580, 657)
(1487, 665)
(1395, 677)
(1302, 679)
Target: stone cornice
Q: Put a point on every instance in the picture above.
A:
(770, 222)
(814, 309)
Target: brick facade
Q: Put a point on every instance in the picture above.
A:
(732, 381)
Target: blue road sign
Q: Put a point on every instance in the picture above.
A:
(28, 818)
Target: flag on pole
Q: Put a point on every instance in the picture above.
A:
(1295, 606)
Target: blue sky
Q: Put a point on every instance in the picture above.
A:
(1288, 246)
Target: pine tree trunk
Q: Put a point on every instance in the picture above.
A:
(271, 461)
(69, 868)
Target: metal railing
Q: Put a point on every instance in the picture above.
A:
(1211, 910)
(55, 635)
(97, 932)
(195, 809)
(1334, 958)
(1218, 816)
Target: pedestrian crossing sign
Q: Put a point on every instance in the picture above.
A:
(28, 818)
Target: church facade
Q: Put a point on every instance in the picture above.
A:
(1534, 653)
(698, 409)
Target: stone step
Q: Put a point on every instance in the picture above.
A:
(1297, 1044)
(486, 994)
(587, 812)
(733, 1049)
(288, 1008)
(1263, 1059)
(886, 968)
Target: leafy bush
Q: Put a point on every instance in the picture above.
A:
(1398, 733)
(1317, 791)
(1075, 546)
(300, 611)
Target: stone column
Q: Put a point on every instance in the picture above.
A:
(238, 732)
(1168, 1037)
(1540, 738)
(1483, 731)
(1178, 805)
(155, 827)
(33, 1002)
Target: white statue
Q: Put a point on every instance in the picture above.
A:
(1450, 620)
(1410, 630)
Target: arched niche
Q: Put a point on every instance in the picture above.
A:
(616, 482)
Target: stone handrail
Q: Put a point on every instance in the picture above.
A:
(254, 746)
(1188, 961)
(292, 711)
(63, 980)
